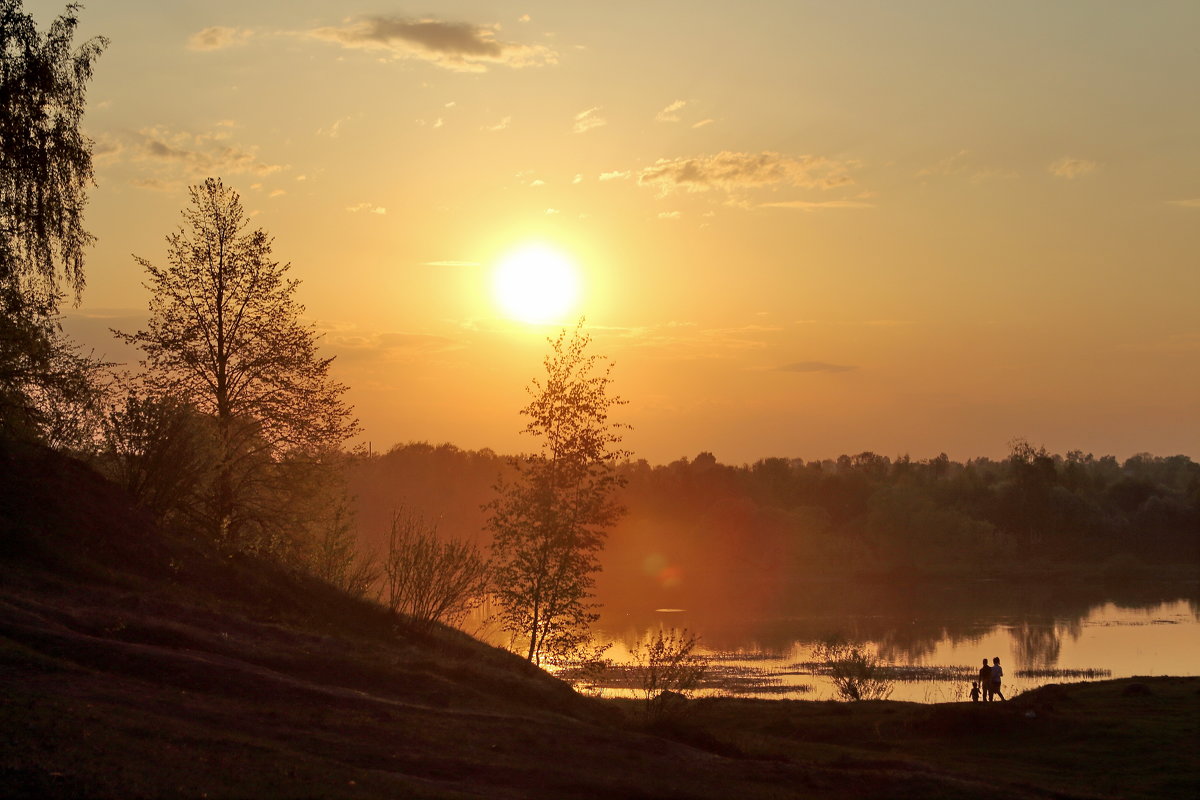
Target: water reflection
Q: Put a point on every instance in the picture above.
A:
(939, 633)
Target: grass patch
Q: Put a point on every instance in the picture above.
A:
(1078, 674)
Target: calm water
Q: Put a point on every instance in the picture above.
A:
(1054, 629)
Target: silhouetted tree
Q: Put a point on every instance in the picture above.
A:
(162, 452)
(549, 522)
(225, 333)
(45, 169)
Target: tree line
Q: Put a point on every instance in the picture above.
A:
(697, 526)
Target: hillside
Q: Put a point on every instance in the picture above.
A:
(136, 664)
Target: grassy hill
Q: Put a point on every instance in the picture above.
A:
(137, 664)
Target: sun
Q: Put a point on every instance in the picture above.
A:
(536, 284)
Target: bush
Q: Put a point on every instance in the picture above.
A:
(669, 670)
(428, 579)
(857, 674)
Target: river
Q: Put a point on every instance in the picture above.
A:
(932, 638)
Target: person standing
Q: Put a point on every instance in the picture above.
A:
(985, 680)
(997, 675)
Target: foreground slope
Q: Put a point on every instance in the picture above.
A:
(139, 664)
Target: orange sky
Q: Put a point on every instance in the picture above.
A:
(801, 228)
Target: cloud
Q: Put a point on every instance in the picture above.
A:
(173, 156)
(218, 38)
(815, 366)
(368, 207)
(680, 340)
(704, 122)
(351, 344)
(819, 205)
(670, 214)
(1071, 168)
(615, 175)
(950, 165)
(671, 112)
(737, 172)
(334, 130)
(499, 126)
(588, 119)
(1193, 202)
(458, 46)
(961, 162)
(277, 193)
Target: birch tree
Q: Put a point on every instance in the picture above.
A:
(225, 333)
(550, 521)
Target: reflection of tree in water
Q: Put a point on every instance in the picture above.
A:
(908, 622)
(1037, 644)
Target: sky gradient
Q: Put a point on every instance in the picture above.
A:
(802, 228)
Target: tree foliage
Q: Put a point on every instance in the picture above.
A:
(549, 521)
(45, 170)
(162, 451)
(225, 333)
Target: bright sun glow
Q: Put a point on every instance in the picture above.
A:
(536, 284)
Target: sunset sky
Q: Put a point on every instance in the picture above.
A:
(799, 228)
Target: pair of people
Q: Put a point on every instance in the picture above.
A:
(990, 677)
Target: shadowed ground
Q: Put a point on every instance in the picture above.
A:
(135, 664)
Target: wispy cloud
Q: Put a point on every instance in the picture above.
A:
(950, 165)
(703, 122)
(815, 366)
(352, 344)
(688, 341)
(1193, 202)
(615, 175)
(370, 208)
(588, 119)
(818, 205)
(499, 126)
(670, 214)
(458, 46)
(671, 112)
(962, 163)
(334, 130)
(734, 172)
(169, 157)
(218, 38)
(1071, 168)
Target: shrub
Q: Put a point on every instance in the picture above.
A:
(857, 673)
(669, 670)
(428, 579)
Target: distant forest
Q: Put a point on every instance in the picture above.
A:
(698, 528)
